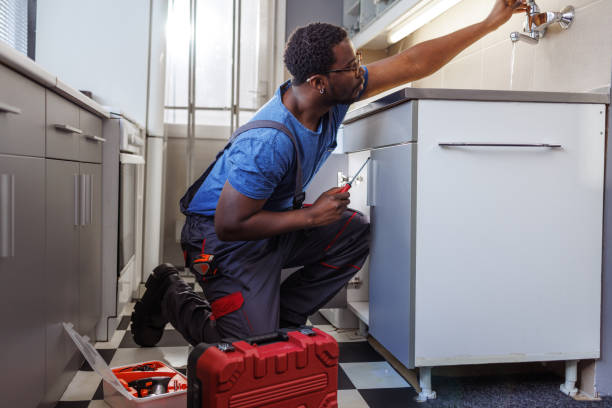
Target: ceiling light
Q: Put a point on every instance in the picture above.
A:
(420, 15)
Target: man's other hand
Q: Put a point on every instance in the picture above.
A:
(328, 208)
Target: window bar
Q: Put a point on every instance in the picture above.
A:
(233, 106)
(237, 40)
(191, 91)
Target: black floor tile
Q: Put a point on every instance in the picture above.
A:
(358, 352)
(99, 394)
(124, 323)
(344, 383)
(72, 404)
(171, 338)
(107, 355)
(392, 398)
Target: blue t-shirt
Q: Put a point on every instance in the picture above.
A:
(260, 162)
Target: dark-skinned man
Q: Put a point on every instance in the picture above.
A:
(245, 220)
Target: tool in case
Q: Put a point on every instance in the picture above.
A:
(150, 384)
(295, 368)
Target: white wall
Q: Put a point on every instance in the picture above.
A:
(579, 59)
(100, 46)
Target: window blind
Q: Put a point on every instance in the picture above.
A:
(14, 24)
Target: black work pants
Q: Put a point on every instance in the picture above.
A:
(243, 282)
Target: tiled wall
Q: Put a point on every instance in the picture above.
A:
(579, 59)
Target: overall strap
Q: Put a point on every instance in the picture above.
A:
(299, 195)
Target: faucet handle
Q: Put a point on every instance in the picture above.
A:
(567, 17)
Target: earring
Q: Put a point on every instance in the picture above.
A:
(322, 91)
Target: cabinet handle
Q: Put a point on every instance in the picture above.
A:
(371, 190)
(94, 138)
(84, 199)
(89, 197)
(7, 215)
(4, 108)
(68, 129)
(443, 144)
(77, 180)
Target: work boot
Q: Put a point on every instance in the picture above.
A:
(148, 321)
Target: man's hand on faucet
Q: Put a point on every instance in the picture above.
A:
(503, 10)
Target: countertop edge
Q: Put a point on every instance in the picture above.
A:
(409, 94)
(25, 66)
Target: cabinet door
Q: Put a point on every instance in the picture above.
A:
(63, 131)
(61, 273)
(391, 198)
(509, 235)
(22, 232)
(90, 247)
(22, 115)
(90, 144)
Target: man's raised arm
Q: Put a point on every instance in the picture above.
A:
(427, 57)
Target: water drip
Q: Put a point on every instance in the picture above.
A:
(512, 63)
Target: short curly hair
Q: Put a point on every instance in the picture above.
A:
(309, 50)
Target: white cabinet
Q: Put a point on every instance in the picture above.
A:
(509, 238)
(486, 225)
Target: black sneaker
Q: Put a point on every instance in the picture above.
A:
(147, 319)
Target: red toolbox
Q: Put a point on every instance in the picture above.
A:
(288, 369)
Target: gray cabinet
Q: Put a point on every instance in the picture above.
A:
(61, 272)
(391, 199)
(50, 237)
(22, 115)
(73, 264)
(22, 243)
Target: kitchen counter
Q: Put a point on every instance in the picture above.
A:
(408, 94)
(25, 66)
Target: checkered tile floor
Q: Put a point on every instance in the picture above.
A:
(365, 379)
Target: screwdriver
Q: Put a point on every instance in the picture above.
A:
(348, 185)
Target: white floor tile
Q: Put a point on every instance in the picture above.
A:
(351, 399)
(343, 335)
(98, 404)
(373, 375)
(174, 356)
(114, 341)
(82, 387)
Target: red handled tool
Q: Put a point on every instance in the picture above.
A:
(348, 185)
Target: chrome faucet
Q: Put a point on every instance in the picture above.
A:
(537, 22)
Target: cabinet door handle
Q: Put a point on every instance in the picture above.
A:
(89, 197)
(371, 190)
(84, 201)
(68, 128)
(77, 181)
(95, 138)
(5, 108)
(7, 215)
(445, 144)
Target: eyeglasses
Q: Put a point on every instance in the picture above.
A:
(355, 66)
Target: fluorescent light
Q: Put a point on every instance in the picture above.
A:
(420, 15)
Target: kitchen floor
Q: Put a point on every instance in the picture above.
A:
(365, 379)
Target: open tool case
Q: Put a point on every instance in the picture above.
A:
(136, 385)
